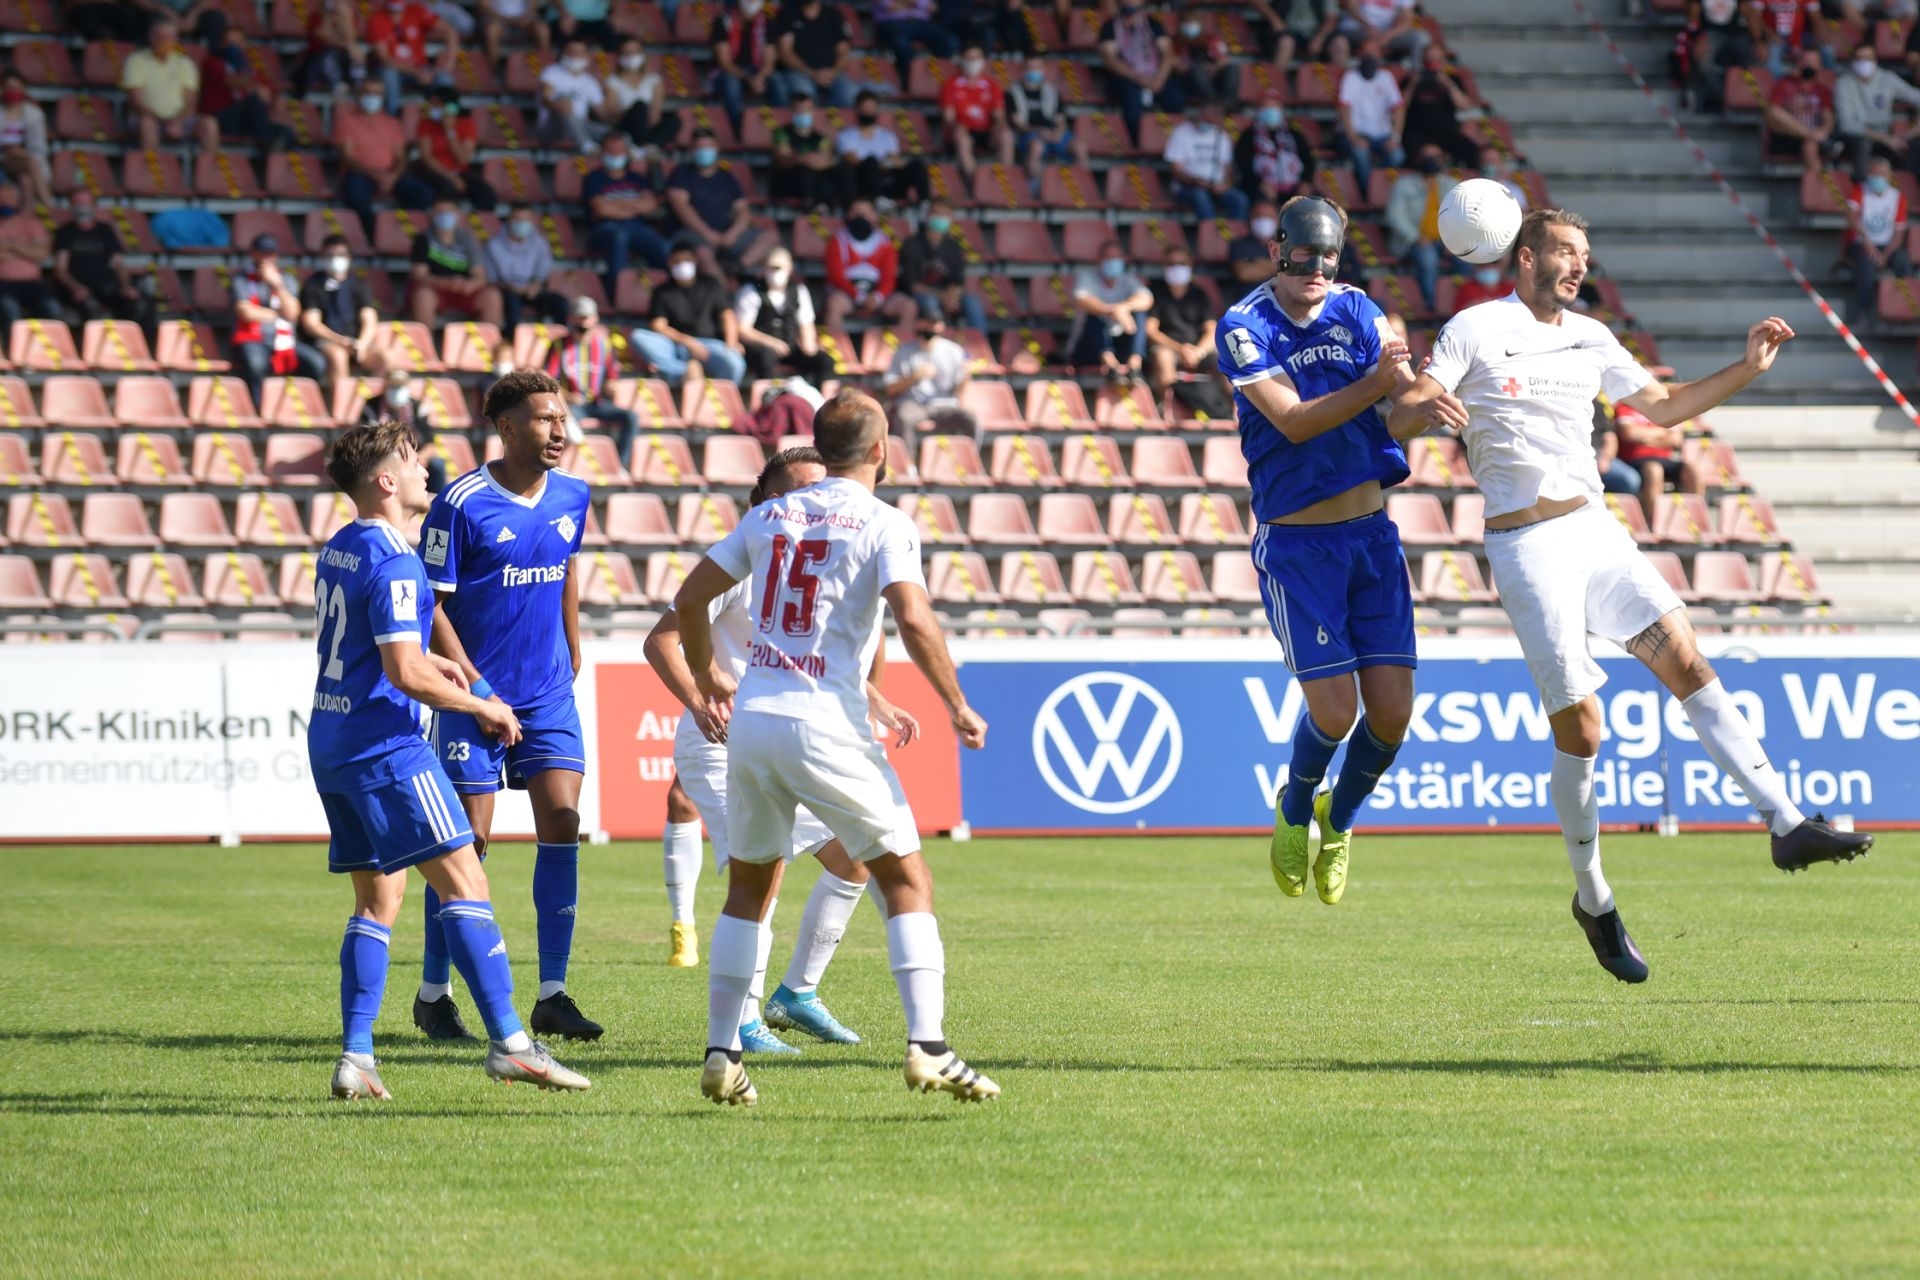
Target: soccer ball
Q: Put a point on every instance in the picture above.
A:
(1479, 220)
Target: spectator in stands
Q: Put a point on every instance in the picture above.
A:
(570, 95)
(745, 59)
(520, 265)
(901, 24)
(1007, 32)
(588, 20)
(1110, 329)
(398, 33)
(973, 111)
(444, 138)
(1372, 115)
(1044, 133)
(23, 141)
(162, 82)
(1413, 221)
(872, 165)
(337, 316)
(520, 17)
(586, 367)
(777, 324)
(1390, 26)
(813, 47)
(1248, 257)
(1863, 102)
(635, 100)
(624, 210)
(1799, 119)
(1716, 36)
(400, 400)
(373, 154)
(691, 332)
(924, 381)
(712, 211)
(1498, 166)
(449, 271)
(1201, 156)
(234, 101)
(1615, 475)
(1307, 31)
(24, 249)
(1138, 60)
(1201, 64)
(1654, 451)
(1180, 326)
(1784, 29)
(1485, 283)
(90, 271)
(863, 267)
(1273, 158)
(265, 309)
(1877, 238)
(933, 268)
(803, 159)
(1435, 100)
(127, 21)
(335, 54)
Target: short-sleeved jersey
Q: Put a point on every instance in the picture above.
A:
(1529, 390)
(369, 589)
(817, 561)
(1336, 347)
(500, 564)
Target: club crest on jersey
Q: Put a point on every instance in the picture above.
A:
(1341, 334)
(405, 605)
(566, 527)
(506, 535)
(1242, 347)
(435, 550)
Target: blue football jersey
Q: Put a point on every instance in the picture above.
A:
(369, 589)
(500, 562)
(1256, 339)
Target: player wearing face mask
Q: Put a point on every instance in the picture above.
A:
(337, 315)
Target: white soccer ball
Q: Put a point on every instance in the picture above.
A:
(1479, 220)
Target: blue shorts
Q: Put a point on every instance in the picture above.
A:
(1337, 595)
(1050, 149)
(550, 739)
(392, 827)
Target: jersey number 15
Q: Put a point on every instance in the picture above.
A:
(795, 598)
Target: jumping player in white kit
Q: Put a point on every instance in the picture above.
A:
(820, 561)
(1526, 371)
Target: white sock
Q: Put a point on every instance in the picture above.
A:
(919, 965)
(682, 866)
(518, 1042)
(878, 895)
(431, 991)
(1572, 785)
(729, 976)
(550, 989)
(758, 991)
(1729, 740)
(822, 925)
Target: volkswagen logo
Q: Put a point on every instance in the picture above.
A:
(1106, 732)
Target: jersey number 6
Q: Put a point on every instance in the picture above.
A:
(802, 584)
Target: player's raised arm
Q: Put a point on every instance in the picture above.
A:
(927, 646)
(1672, 405)
(1301, 420)
(1426, 404)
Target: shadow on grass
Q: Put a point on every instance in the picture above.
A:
(149, 1104)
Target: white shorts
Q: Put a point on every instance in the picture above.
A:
(1565, 578)
(776, 764)
(702, 766)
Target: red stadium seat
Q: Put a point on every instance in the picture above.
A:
(639, 519)
(1023, 240)
(36, 519)
(162, 580)
(1001, 187)
(222, 460)
(960, 577)
(221, 403)
(597, 461)
(76, 401)
(712, 404)
(85, 171)
(1089, 461)
(705, 518)
(1628, 511)
(150, 403)
(294, 403)
(20, 586)
(1421, 519)
(45, 346)
(1164, 463)
(1141, 623)
(1683, 518)
(1668, 565)
(1173, 577)
(1745, 518)
(666, 570)
(1469, 518)
(226, 175)
(1211, 518)
(1436, 462)
(1131, 409)
(294, 458)
(733, 460)
(1724, 576)
(237, 580)
(1082, 239)
(1788, 575)
(662, 461)
(1022, 462)
(1032, 577)
(117, 520)
(1133, 188)
(327, 514)
(1149, 242)
(1452, 576)
(322, 223)
(74, 458)
(150, 460)
(951, 462)
(1001, 519)
(155, 175)
(115, 346)
(17, 410)
(934, 516)
(187, 347)
(1102, 577)
(297, 175)
(1222, 465)
(194, 520)
(84, 581)
(1069, 186)
(468, 346)
(407, 344)
(1057, 404)
(268, 520)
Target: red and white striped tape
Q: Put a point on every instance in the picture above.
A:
(1753, 221)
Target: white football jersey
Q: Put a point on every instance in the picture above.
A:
(1529, 390)
(815, 563)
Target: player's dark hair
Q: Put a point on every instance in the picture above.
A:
(1533, 228)
(781, 464)
(359, 451)
(515, 390)
(845, 427)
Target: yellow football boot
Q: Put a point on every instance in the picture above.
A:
(684, 949)
(1288, 854)
(1330, 868)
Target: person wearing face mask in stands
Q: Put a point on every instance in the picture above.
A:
(398, 33)
(1372, 115)
(449, 271)
(691, 333)
(635, 99)
(973, 113)
(1877, 244)
(1137, 58)
(1045, 134)
(1435, 100)
(777, 325)
(901, 24)
(1487, 283)
(23, 141)
(1272, 159)
(863, 268)
(933, 267)
(1390, 25)
(1498, 166)
(1179, 328)
(745, 62)
(519, 264)
(872, 165)
(1413, 221)
(802, 159)
(924, 382)
(1799, 120)
(1110, 324)
(814, 49)
(1201, 64)
(337, 316)
(443, 168)
(522, 17)
(570, 98)
(90, 272)
(623, 209)
(711, 208)
(373, 154)
(586, 368)
(1863, 100)
(1201, 156)
(588, 20)
(1247, 256)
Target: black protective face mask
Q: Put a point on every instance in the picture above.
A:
(1369, 68)
(860, 228)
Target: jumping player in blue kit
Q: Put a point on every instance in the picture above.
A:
(389, 805)
(499, 545)
(1309, 360)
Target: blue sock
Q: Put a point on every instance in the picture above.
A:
(480, 954)
(363, 981)
(556, 888)
(1367, 758)
(1312, 750)
(435, 965)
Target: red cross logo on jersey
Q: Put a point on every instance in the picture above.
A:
(1511, 386)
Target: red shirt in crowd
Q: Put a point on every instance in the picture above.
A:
(1787, 19)
(861, 267)
(1473, 293)
(973, 101)
(1807, 101)
(435, 139)
(401, 31)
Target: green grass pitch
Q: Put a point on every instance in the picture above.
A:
(1202, 1078)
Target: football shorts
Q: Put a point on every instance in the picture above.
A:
(776, 764)
(1336, 595)
(396, 825)
(550, 739)
(702, 767)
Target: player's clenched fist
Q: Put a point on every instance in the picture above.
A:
(1394, 357)
(497, 720)
(971, 728)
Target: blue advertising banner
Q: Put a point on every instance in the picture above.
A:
(1174, 736)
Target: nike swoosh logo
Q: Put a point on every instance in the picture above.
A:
(1589, 840)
